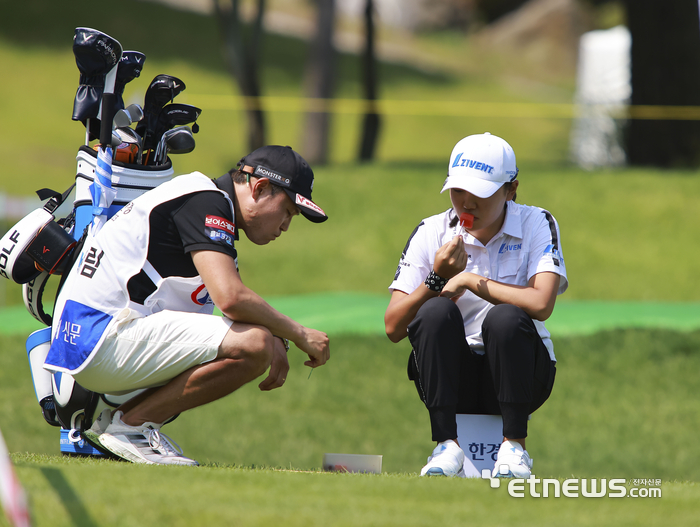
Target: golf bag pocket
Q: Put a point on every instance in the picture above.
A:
(34, 244)
(50, 247)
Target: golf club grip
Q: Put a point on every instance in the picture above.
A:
(108, 104)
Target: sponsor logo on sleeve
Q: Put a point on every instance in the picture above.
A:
(554, 253)
(219, 229)
(217, 222)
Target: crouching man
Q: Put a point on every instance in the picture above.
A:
(136, 310)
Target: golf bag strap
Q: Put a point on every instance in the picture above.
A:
(56, 197)
(32, 293)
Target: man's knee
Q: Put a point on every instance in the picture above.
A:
(252, 344)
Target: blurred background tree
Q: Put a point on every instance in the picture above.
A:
(665, 72)
(241, 45)
(319, 84)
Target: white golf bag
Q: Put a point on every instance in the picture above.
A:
(64, 402)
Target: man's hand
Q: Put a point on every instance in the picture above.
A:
(451, 258)
(316, 345)
(278, 368)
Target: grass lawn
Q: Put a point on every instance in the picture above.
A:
(88, 493)
(623, 406)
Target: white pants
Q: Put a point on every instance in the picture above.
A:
(143, 352)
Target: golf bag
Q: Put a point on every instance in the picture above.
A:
(40, 246)
(63, 401)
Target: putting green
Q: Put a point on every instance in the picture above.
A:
(363, 313)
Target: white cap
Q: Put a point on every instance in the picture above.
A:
(480, 164)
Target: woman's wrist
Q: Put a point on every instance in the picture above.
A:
(435, 282)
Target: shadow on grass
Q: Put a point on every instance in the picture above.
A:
(70, 500)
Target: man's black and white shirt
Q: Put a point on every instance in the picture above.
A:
(139, 263)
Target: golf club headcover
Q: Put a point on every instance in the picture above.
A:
(172, 115)
(95, 55)
(129, 68)
(163, 89)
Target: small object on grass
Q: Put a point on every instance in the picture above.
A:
(352, 463)
(312, 370)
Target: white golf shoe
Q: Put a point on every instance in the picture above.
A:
(138, 444)
(512, 461)
(447, 460)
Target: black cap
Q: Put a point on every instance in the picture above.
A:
(287, 169)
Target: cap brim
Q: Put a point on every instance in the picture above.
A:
(308, 208)
(481, 188)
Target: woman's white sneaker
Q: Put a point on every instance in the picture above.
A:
(512, 461)
(447, 460)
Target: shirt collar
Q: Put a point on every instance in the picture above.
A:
(225, 183)
(512, 226)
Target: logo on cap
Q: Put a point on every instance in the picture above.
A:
(303, 202)
(471, 163)
(266, 172)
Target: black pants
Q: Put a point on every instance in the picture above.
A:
(513, 378)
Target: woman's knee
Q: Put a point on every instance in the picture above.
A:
(437, 325)
(505, 318)
(437, 311)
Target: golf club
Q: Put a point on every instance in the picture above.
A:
(177, 141)
(127, 116)
(129, 136)
(130, 67)
(173, 115)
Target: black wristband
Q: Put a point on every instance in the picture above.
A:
(434, 282)
(284, 341)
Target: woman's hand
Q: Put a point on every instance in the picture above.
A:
(451, 258)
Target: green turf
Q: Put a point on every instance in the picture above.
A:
(623, 406)
(363, 314)
(88, 493)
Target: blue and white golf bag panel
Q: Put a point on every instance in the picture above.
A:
(38, 345)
